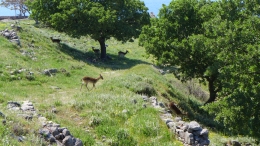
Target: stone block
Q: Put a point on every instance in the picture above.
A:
(180, 133)
(66, 132)
(204, 133)
(68, 141)
(177, 119)
(193, 126)
(168, 121)
(171, 124)
(189, 138)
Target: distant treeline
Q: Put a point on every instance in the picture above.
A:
(12, 17)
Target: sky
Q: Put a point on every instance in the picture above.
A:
(153, 6)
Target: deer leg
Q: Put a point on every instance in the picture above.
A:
(81, 86)
(87, 86)
(93, 86)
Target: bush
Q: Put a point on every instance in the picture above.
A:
(123, 138)
(58, 103)
(144, 88)
(19, 129)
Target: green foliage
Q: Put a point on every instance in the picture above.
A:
(144, 88)
(218, 43)
(3, 130)
(85, 137)
(123, 138)
(145, 124)
(100, 20)
(79, 106)
(170, 40)
(138, 84)
(58, 103)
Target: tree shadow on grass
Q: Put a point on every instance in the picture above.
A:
(112, 61)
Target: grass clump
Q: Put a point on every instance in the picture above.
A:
(123, 138)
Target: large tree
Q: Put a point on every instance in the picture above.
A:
(100, 19)
(216, 42)
(174, 39)
(238, 104)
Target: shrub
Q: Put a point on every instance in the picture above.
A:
(57, 103)
(144, 88)
(123, 138)
(19, 129)
(79, 105)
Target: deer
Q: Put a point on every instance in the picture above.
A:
(173, 108)
(122, 54)
(85, 80)
(95, 50)
(55, 40)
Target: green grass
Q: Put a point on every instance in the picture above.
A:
(108, 110)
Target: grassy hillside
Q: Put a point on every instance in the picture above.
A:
(95, 114)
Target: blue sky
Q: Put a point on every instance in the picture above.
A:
(153, 5)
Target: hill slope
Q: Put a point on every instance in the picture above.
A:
(49, 75)
(89, 115)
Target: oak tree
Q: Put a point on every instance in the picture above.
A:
(218, 43)
(100, 19)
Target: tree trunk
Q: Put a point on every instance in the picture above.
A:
(103, 48)
(212, 90)
(36, 19)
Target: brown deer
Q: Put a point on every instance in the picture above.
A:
(122, 54)
(95, 50)
(55, 40)
(86, 80)
(173, 107)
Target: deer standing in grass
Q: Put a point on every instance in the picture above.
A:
(55, 40)
(122, 54)
(95, 50)
(173, 108)
(87, 80)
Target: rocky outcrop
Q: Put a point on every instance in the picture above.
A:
(11, 35)
(51, 132)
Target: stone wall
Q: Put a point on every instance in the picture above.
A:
(189, 133)
(50, 131)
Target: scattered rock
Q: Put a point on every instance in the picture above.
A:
(125, 111)
(50, 72)
(11, 35)
(134, 101)
(51, 132)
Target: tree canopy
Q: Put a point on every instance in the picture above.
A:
(218, 43)
(100, 19)
(15, 5)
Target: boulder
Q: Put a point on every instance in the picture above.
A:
(193, 126)
(78, 142)
(188, 138)
(68, 141)
(204, 133)
(66, 132)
